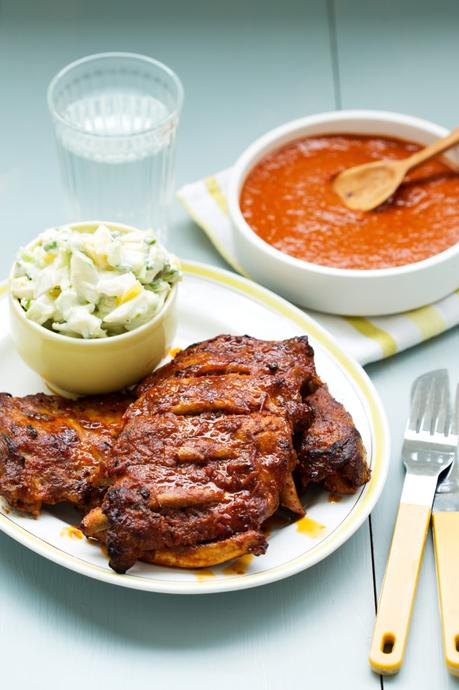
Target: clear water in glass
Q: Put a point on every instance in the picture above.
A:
(116, 140)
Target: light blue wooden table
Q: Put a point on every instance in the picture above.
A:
(247, 66)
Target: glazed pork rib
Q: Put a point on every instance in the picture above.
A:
(329, 447)
(277, 375)
(287, 364)
(206, 454)
(213, 477)
(331, 450)
(54, 450)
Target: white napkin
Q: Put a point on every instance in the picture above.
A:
(366, 339)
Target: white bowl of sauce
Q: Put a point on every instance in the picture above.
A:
(293, 234)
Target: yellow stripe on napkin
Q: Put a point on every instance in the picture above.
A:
(370, 330)
(429, 321)
(216, 193)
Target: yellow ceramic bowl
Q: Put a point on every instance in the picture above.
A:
(73, 365)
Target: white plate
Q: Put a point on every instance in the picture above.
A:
(212, 301)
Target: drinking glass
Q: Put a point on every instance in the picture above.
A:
(115, 117)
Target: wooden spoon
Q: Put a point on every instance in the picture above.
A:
(366, 186)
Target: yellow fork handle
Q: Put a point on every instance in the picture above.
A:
(399, 588)
(446, 539)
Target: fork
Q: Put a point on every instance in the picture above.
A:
(428, 449)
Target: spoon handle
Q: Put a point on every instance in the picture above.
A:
(452, 139)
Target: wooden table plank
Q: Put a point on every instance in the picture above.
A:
(310, 627)
(403, 57)
(400, 56)
(423, 667)
(246, 68)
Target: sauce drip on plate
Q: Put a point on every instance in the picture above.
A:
(239, 566)
(72, 532)
(309, 527)
(288, 200)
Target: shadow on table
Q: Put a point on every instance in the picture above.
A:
(177, 621)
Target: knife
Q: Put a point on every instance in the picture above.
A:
(445, 527)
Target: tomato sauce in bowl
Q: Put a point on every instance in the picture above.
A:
(288, 201)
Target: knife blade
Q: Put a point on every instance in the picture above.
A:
(445, 527)
(447, 492)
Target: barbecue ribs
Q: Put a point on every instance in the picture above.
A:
(54, 450)
(186, 470)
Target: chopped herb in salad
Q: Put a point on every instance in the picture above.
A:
(93, 284)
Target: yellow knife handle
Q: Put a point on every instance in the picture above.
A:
(399, 588)
(446, 539)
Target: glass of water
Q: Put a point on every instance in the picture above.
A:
(115, 117)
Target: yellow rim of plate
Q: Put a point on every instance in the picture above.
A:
(380, 453)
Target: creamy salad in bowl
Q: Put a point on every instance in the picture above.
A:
(93, 284)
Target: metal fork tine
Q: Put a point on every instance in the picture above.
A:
(441, 424)
(439, 383)
(419, 392)
(426, 417)
(455, 416)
